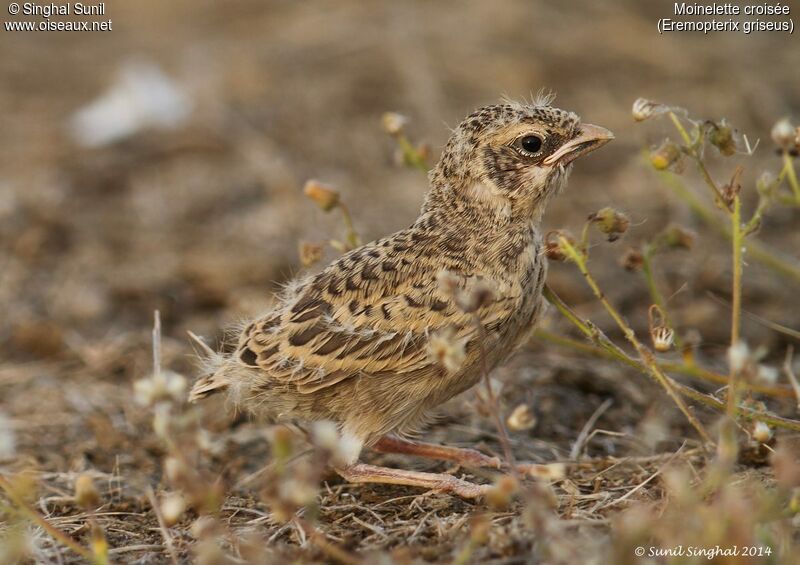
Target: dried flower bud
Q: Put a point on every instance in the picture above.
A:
(521, 419)
(766, 185)
(738, 357)
(766, 374)
(175, 470)
(761, 432)
(393, 123)
(323, 195)
(282, 447)
(447, 350)
(86, 494)
(474, 297)
(501, 495)
(784, 134)
(665, 156)
(610, 222)
(552, 245)
(644, 109)
(663, 338)
(731, 190)
(325, 434)
(722, 136)
(172, 507)
(677, 237)
(632, 260)
(548, 472)
(661, 334)
(309, 253)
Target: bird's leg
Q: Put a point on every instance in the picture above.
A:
(462, 456)
(466, 457)
(363, 473)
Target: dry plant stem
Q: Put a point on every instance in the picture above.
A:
(737, 240)
(692, 151)
(616, 353)
(756, 250)
(40, 521)
(788, 166)
(498, 421)
(353, 240)
(331, 550)
(162, 526)
(680, 368)
(647, 358)
(787, 368)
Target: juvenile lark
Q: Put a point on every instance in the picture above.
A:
(352, 343)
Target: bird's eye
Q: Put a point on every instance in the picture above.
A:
(530, 144)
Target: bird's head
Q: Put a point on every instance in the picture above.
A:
(513, 156)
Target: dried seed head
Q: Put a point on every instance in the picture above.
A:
(678, 237)
(323, 195)
(644, 109)
(521, 419)
(766, 374)
(159, 387)
(175, 470)
(783, 134)
(738, 357)
(632, 260)
(610, 222)
(663, 338)
(393, 123)
(723, 137)
(477, 295)
(325, 434)
(549, 472)
(172, 506)
(310, 253)
(552, 246)
(732, 189)
(761, 432)
(665, 156)
(447, 350)
(86, 494)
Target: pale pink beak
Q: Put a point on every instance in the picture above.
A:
(588, 139)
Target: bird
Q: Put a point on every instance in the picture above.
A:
(392, 329)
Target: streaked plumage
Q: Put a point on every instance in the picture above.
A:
(350, 344)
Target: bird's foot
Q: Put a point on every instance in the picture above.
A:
(441, 482)
(462, 456)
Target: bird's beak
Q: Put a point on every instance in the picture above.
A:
(589, 138)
